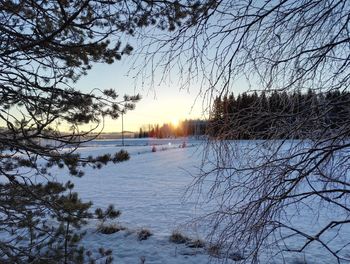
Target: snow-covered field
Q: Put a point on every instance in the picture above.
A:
(150, 189)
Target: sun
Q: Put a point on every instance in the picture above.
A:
(175, 122)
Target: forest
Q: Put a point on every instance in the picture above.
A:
(264, 115)
(183, 129)
(270, 115)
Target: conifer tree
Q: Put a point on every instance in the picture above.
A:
(45, 47)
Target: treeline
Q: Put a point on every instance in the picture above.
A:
(279, 115)
(183, 129)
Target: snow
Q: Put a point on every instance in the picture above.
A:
(156, 249)
(150, 190)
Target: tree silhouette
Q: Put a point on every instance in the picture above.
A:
(45, 47)
(281, 48)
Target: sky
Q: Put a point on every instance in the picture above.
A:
(164, 103)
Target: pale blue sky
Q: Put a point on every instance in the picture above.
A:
(164, 103)
(161, 103)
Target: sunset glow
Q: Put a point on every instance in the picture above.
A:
(175, 122)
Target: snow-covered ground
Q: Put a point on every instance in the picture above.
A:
(150, 189)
